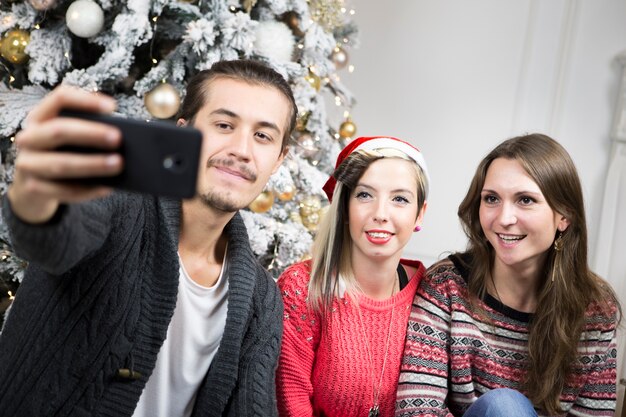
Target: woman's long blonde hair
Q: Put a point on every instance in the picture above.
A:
(332, 245)
(567, 286)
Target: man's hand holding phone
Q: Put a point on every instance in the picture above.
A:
(43, 175)
(85, 153)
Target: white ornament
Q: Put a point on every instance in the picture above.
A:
(274, 40)
(84, 18)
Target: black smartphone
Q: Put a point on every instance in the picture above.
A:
(159, 157)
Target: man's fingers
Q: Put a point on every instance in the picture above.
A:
(71, 98)
(64, 192)
(63, 165)
(67, 131)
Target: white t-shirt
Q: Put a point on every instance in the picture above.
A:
(193, 336)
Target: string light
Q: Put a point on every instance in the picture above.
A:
(37, 26)
(154, 29)
(67, 58)
(11, 296)
(350, 68)
(8, 71)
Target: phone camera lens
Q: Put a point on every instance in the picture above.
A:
(174, 163)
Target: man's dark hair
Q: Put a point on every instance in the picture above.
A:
(253, 72)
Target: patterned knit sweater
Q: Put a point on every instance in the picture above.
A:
(454, 355)
(327, 371)
(98, 296)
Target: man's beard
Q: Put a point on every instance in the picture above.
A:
(219, 201)
(224, 201)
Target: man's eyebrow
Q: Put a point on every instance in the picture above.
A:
(269, 125)
(225, 112)
(230, 113)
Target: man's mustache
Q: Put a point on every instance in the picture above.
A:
(241, 169)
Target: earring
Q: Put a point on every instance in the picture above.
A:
(417, 228)
(558, 243)
(558, 247)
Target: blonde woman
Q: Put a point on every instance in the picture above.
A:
(346, 311)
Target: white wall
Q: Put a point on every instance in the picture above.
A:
(457, 77)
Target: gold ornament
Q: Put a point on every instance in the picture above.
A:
(163, 101)
(339, 57)
(13, 46)
(248, 5)
(295, 217)
(287, 193)
(302, 120)
(263, 202)
(347, 129)
(314, 80)
(327, 13)
(311, 222)
(310, 205)
(292, 20)
(307, 145)
(311, 212)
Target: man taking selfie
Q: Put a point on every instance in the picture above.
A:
(137, 305)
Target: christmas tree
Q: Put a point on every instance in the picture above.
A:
(142, 52)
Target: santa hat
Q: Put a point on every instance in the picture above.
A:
(373, 143)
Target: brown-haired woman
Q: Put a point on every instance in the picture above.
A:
(517, 325)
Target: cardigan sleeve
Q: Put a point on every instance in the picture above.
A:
(424, 369)
(301, 336)
(75, 231)
(598, 395)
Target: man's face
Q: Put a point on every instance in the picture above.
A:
(243, 127)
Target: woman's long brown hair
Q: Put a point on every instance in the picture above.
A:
(567, 287)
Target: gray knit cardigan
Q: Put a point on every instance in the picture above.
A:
(98, 296)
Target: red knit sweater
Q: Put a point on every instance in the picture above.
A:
(327, 371)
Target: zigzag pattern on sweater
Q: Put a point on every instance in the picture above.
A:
(453, 354)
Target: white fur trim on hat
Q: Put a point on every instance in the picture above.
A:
(411, 151)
